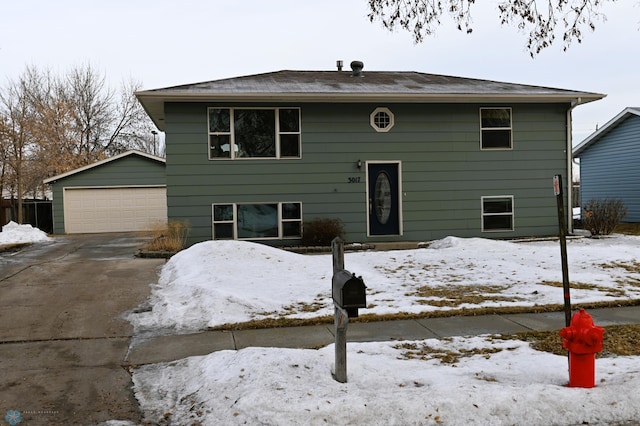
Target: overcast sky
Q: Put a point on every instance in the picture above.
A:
(165, 42)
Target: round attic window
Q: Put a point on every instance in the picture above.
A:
(381, 119)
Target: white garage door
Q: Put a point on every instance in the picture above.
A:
(88, 210)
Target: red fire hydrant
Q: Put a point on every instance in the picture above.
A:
(583, 340)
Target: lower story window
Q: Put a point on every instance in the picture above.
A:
(251, 221)
(497, 213)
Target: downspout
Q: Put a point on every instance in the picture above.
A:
(569, 200)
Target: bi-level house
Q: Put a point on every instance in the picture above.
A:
(395, 156)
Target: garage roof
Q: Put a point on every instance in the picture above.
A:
(343, 86)
(105, 161)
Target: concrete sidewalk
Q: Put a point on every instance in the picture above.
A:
(171, 348)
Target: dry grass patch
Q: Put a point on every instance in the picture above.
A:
(282, 321)
(168, 237)
(620, 340)
(574, 285)
(611, 292)
(628, 228)
(425, 352)
(274, 323)
(632, 267)
(456, 295)
(632, 282)
(305, 307)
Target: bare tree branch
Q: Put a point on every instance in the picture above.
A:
(539, 19)
(17, 137)
(51, 124)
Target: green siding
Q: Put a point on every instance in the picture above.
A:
(131, 170)
(444, 172)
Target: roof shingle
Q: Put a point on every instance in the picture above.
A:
(341, 86)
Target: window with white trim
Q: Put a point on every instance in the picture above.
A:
(381, 119)
(238, 133)
(257, 221)
(497, 213)
(495, 128)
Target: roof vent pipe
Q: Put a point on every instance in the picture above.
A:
(356, 69)
(339, 65)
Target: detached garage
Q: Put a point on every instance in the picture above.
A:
(120, 194)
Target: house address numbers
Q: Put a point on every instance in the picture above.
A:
(354, 179)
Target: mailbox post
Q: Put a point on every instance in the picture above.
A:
(348, 293)
(340, 322)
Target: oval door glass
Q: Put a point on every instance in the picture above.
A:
(382, 198)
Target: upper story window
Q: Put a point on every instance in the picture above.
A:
(381, 119)
(495, 128)
(236, 133)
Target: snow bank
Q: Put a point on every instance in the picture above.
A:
(12, 233)
(218, 282)
(268, 386)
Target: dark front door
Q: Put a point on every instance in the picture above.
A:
(383, 180)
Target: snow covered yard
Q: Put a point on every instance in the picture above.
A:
(220, 282)
(490, 381)
(473, 380)
(495, 382)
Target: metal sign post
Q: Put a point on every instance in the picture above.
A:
(557, 190)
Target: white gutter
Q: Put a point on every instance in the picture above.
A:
(574, 104)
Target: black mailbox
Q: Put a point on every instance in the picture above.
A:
(349, 292)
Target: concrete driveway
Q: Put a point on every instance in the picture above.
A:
(62, 335)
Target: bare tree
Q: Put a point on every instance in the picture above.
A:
(134, 129)
(91, 102)
(4, 152)
(540, 19)
(56, 148)
(17, 119)
(51, 124)
(106, 122)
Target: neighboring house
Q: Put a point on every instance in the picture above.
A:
(123, 193)
(610, 163)
(395, 156)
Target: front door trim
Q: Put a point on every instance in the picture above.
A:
(393, 163)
